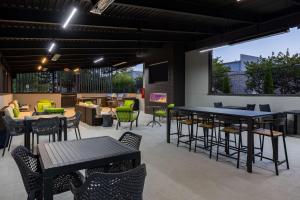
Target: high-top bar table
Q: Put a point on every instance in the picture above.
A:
(248, 116)
(58, 158)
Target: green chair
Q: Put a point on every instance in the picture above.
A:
(127, 104)
(43, 104)
(162, 112)
(54, 111)
(126, 114)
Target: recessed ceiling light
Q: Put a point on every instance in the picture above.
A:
(76, 69)
(101, 6)
(118, 64)
(51, 47)
(45, 69)
(98, 60)
(70, 17)
(55, 57)
(44, 60)
(40, 67)
(66, 69)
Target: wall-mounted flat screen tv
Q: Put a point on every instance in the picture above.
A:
(158, 72)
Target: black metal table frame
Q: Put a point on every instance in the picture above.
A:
(248, 119)
(295, 114)
(28, 129)
(49, 174)
(154, 121)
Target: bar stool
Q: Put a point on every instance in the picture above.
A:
(230, 126)
(277, 128)
(188, 122)
(208, 124)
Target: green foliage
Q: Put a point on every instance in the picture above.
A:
(276, 74)
(123, 82)
(221, 80)
(226, 85)
(268, 82)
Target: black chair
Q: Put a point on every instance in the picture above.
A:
(128, 138)
(45, 127)
(73, 122)
(230, 126)
(218, 104)
(250, 107)
(277, 128)
(13, 128)
(127, 185)
(31, 173)
(265, 107)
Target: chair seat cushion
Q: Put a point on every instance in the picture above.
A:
(160, 113)
(208, 125)
(55, 110)
(267, 132)
(230, 129)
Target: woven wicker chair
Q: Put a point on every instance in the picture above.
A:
(13, 128)
(45, 126)
(30, 170)
(127, 185)
(73, 122)
(128, 138)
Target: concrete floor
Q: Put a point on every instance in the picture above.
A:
(177, 174)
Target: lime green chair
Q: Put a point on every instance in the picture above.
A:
(54, 111)
(162, 112)
(126, 114)
(44, 104)
(127, 104)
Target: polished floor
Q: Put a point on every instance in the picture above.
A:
(177, 174)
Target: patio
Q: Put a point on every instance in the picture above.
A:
(166, 100)
(176, 174)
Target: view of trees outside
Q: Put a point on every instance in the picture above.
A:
(128, 80)
(276, 74)
(258, 67)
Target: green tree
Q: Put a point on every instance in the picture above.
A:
(268, 82)
(226, 85)
(123, 82)
(221, 80)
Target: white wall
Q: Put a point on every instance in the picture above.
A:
(196, 89)
(5, 99)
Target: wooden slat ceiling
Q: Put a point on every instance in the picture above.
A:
(129, 27)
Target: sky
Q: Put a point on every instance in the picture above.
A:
(138, 68)
(261, 47)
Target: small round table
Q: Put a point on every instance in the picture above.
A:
(107, 120)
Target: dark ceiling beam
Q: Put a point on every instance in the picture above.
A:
(181, 8)
(270, 27)
(15, 44)
(100, 21)
(61, 35)
(39, 55)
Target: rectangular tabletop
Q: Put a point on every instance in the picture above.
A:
(224, 111)
(36, 117)
(76, 152)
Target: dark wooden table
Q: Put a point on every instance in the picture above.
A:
(58, 158)
(295, 113)
(235, 107)
(28, 120)
(248, 116)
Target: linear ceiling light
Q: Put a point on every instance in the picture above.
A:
(76, 69)
(70, 17)
(51, 47)
(101, 6)
(118, 64)
(44, 60)
(210, 49)
(98, 60)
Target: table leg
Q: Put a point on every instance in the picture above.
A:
(192, 132)
(65, 130)
(47, 189)
(168, 125)
(27, 134)
(250, 147)
(295, 124)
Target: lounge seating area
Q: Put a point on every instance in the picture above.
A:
(149, 100)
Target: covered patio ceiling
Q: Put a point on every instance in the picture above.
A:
(128, 28)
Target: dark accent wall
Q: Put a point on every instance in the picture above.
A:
(5, 78)
(175, 86)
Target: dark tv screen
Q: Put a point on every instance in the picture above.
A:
(158, 73)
